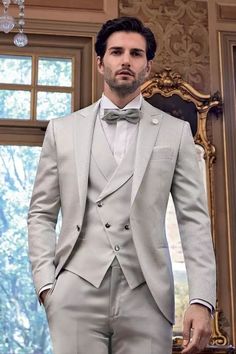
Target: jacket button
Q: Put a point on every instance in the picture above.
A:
(127, 227)
(107, 225)
(99, 204)
(117, 248)
(78, 228)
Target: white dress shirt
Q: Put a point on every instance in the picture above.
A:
(119, 135)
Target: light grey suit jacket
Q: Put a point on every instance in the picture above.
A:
(165, 163)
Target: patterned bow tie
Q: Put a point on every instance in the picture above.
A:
(112, 116)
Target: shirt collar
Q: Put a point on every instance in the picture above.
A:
(106, 103)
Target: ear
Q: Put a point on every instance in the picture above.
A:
(100, 65)
(149, 67)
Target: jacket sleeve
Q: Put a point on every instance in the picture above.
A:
(189, 198)
(43, 214)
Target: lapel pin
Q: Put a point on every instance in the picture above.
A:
(155, 121)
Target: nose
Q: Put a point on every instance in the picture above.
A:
(126, 59)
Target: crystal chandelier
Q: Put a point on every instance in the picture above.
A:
(7, 22)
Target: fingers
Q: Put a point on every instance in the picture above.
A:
(196, 329)
(193, 346)
(197, 342)
(186, 332)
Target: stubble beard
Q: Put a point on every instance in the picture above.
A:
(123, 89)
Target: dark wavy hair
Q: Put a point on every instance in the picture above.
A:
(125, 24)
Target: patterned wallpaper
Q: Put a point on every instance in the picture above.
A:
(181, 29)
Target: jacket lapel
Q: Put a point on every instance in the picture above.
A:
(147, 135)
(83, 134)
(102, 153)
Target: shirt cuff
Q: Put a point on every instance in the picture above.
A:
(45, 287)
(204, 303)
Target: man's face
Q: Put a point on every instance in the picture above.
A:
(124, 65)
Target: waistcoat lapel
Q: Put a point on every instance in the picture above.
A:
(123, 171)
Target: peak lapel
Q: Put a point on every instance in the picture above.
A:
(102, 153)
(83, 134)
(147, 135)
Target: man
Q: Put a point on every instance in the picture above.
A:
(107, 283)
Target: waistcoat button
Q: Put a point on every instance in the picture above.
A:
(117, 248)
(127, 227)
(100, 204)
(107, 225)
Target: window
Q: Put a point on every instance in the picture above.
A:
(41, 82)
(41, 94)
(36, 84)
(23, 327)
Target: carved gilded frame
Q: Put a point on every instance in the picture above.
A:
(168, 83)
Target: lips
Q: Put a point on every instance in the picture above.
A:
(125, 72)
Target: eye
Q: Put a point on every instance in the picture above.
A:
(136, 53)
(116, 52)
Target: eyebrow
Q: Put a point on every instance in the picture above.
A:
(132, 49)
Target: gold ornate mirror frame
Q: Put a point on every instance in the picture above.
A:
(167, 84)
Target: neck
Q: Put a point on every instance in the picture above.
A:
(120, 101)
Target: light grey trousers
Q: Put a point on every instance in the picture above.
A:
(111, 319)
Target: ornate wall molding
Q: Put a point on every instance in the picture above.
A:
(96, 11)
(228, 87)
(181, 28)
(97, 5)
(226, 12)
